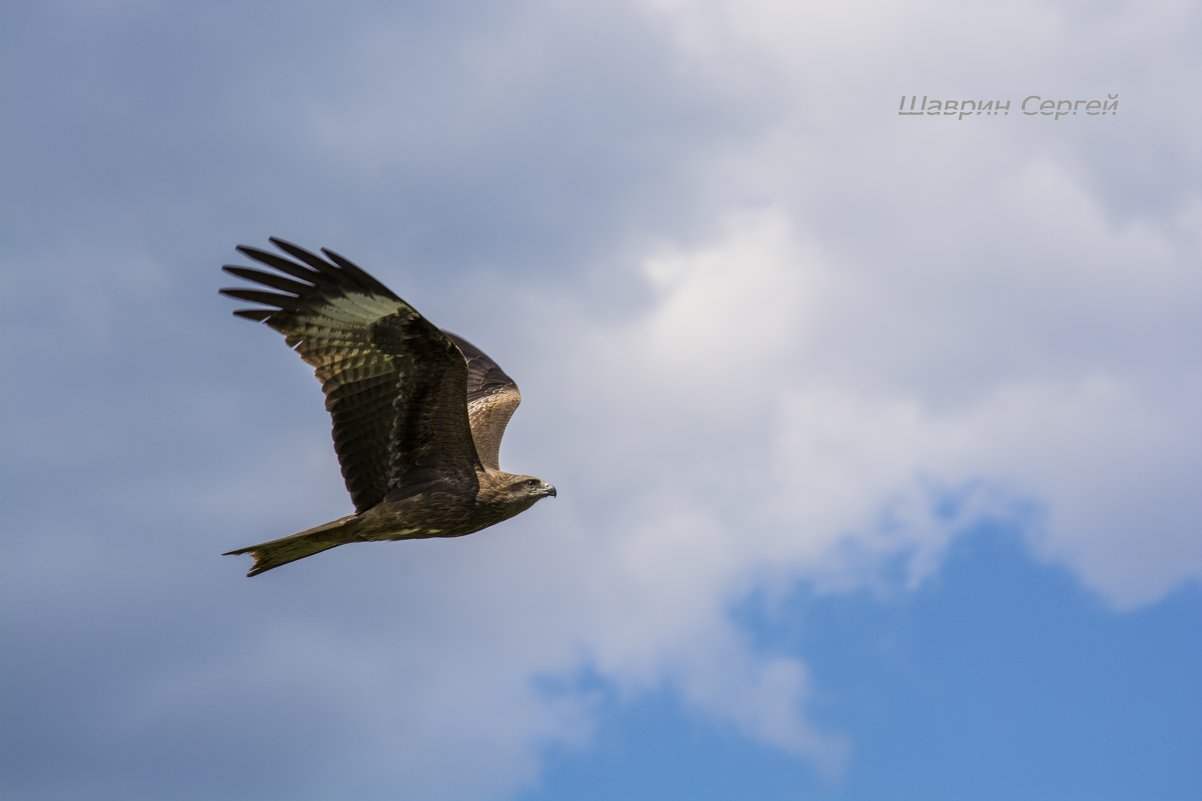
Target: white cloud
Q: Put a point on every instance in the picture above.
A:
(1076, 396)
(814, 413)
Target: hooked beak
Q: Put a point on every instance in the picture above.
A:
(548, 490)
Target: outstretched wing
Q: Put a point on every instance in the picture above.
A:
(394, 383)
(492, 398)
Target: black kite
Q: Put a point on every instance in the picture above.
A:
(418, 413)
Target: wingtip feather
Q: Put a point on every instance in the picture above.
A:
(364, 278)
(256, 315)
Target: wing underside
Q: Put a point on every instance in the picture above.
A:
(492, 398)
(395, 385)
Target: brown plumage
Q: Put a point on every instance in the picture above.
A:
(418, 413)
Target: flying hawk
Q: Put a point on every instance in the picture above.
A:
(418, 413)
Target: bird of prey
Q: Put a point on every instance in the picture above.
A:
(418, 412)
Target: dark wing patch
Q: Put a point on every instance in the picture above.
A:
(492, 398)
(394, 384)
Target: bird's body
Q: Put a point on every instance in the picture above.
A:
(418, 413)
(438, 511)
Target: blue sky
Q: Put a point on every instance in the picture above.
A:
(875, 436)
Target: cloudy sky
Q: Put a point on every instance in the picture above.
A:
(876, 436)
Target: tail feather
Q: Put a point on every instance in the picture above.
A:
(272, 554)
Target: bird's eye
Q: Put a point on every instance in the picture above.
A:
(534, 482)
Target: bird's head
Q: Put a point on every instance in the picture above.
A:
(525, 490)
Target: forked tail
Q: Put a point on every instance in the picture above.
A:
(272, 554)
